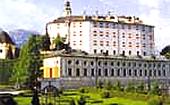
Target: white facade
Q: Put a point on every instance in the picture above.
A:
(4, 50)
(113, 35)
(104, 35)
(79, 70)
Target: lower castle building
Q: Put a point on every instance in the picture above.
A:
(76, 70)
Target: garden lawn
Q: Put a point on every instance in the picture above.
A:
(91, 99)
(23, 100)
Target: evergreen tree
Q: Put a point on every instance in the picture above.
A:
(26, 69)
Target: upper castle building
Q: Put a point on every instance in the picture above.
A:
(111, 34)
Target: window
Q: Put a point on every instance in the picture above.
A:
(124, 72)
(145, 73)
(105, 63)
(140, 72)
(144, 45)
(101, 43)
(85, 72)
(154, 73)
(95, 42)
(118, 72)
(99, 72)
(123, 64)
(114, 34)
(134, 64)
(106, 72)
(118, 63)
(107, 43)
(77, 72)
(101, 25)
(123, 53)
(130, 52)
(130, 72)
(69, 62)
(163, 73)
(69, 72)
(95, 51)
(114, 52)
(150, 72)
(112, 63)
(135, 72)
(139, 64)
(107, 25)
(137, 45)
(159, 72)
(150, 29)
(77, 62)
(130, 35)
(144, 53)
(95, 24)
(92, 63)
(99, 63)
(112, 72)
(101, 51)
(114, 43)
(85, 63)
(92, 72)
(137, 52)
(129, 64)
(143, 36)
(107, 34)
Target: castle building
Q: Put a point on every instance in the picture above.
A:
(104, 38)
(7, 46)
(113, 35)
(76, 70)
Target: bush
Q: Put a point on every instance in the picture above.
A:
(108, 85)
(100, 84)
(155, 101)
(82, 90)
(105, 94)
(82, 101)
(72, 102)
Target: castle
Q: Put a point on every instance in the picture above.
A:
(108, 48)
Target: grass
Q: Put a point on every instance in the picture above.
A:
(23, 100)
(91, 99)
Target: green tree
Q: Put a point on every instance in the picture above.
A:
(140, 87)
(117, 86)
(166, 51)
(58, 42)
(26, 69)
(130, 87)
(155, 89)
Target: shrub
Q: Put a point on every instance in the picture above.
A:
(100, 84)
(130, 87)
(82, 90)
(155, 101)
(82, 101)
(72, 102)
(108, 85)
(105, 94)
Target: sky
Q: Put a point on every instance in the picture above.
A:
(34, 14)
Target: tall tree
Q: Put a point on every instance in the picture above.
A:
(26, 69)
(166, 51)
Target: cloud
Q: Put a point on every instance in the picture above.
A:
(150, 3)
(22, 14)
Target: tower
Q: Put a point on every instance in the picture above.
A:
(67, 8)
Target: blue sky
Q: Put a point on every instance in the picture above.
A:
(34, 14)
